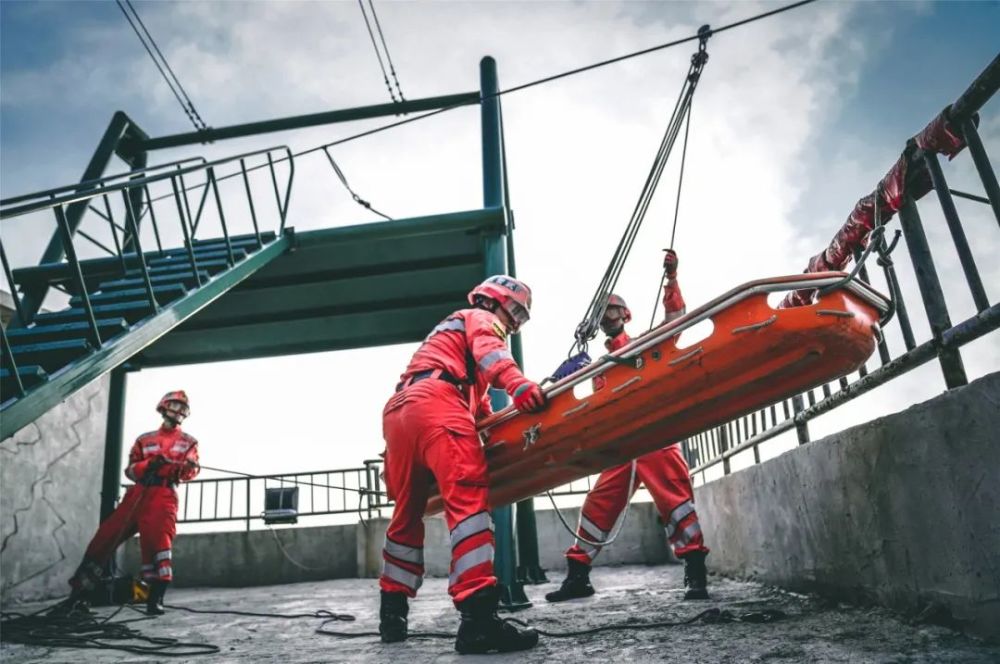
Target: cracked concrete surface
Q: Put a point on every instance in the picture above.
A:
(815, 630)
(51, 478)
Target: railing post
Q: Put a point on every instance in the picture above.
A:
(81, 282)
(801, 428)
(930, 291)
(248, 504)
(957, 232)
(982, 161)
(724, 447)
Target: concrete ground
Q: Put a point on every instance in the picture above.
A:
(814, 631)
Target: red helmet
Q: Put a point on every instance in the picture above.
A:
(617, 302)
(512, 295)
(174, 406)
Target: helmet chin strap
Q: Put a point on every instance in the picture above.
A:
(614, 332)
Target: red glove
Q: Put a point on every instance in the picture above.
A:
(670, 262)
(528, 397)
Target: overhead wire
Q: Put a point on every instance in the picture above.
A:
(523, 86)
(173, 82)
(378, 54)
(516, 88)
(385, 47)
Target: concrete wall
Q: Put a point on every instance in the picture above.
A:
(255, 558)
(903, 511)
(50, 474)
(237, 559)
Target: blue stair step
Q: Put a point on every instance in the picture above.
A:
(50, 355)
(61, 272)
(163, 293)
(212, 267)
(108, 327)
(132, 311)
(31, 375)
(185, 279)
(199, 256)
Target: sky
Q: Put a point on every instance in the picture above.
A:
(796, 117)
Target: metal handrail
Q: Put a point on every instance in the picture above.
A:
(97, 181)
(130, 184)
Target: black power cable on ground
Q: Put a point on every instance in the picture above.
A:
(713, 616)
(54, 627)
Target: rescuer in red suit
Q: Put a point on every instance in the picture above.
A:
(664, 472)
(429, 426)
(158, 461)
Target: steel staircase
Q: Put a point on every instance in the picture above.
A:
(120, 304)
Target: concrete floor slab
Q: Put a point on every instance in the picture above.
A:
(814, 630)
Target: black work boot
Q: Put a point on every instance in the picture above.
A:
(575, 585)
(695, 575)
(481, 630)
(154, 604)
(392, 617)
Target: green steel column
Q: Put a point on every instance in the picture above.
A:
(54, 252)
(113, 438)
(530, 570)
(505, 560)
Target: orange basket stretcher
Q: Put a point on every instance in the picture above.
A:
(656, 393)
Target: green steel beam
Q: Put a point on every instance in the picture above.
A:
(400, 324)
(505, 561)
(310, 120)
(310, 299)
(120, 127)
(115, 352)
(113, 443)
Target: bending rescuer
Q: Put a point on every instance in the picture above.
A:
(429, 426)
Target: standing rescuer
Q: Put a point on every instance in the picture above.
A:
(664, 472)
(158, 461)
(429, 426)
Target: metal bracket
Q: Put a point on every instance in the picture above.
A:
(531, 435)
(634, 362)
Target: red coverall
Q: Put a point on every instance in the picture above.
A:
(429, 427)
(149, 506)
(664, 472)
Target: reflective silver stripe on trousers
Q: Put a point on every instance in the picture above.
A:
(474, 524)
(402, 552)
(493, 357)
(591, 551)
(400, 575)
(679, 514)
(478, 556)
(592, 531)
(166, 570)
(688, 534)
(451, 325)
(162, 555)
